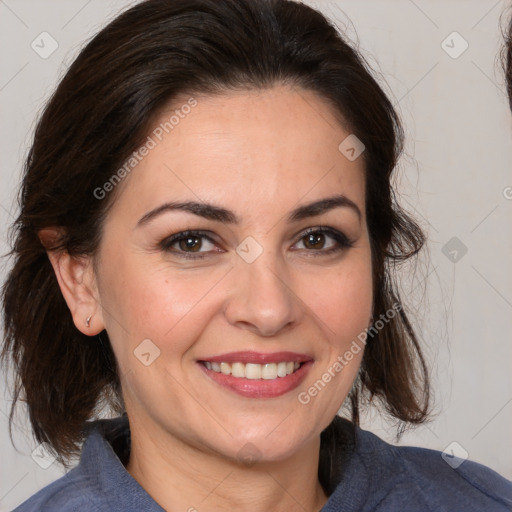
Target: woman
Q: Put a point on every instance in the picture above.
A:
(205, 245)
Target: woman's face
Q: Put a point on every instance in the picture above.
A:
(252, 287)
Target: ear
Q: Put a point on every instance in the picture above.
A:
(77, 282)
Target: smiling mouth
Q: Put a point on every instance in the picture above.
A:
(254, 371)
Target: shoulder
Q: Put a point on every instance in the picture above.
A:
(424, 479)
(458, 479)
(80, 488)
(100, 482)
(76, 490)
(71, 493)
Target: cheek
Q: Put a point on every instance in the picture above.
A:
(143, 301)
(342, 299)
(343, 303)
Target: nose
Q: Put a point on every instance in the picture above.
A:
(261, 297)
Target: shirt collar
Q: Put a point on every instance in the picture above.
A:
(106, 451)
(100, 462)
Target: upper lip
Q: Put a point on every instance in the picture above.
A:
(258, 357)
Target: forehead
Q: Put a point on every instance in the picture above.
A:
(255, 149)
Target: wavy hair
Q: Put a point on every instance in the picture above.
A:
(98, 116)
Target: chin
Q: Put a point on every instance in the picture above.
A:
(268, 446)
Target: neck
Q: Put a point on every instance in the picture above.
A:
(179, 476)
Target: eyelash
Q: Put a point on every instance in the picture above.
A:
(339, 237)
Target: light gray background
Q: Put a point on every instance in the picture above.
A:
(453, 177)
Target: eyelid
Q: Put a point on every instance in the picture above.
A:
(343, 241)
(172, 239)
(334, 233)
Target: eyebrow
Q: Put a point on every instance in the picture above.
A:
(217, 213)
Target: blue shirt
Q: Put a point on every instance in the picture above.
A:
(373, 476)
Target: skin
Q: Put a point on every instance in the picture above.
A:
(187, 431)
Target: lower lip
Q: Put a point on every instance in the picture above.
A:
(260, 388)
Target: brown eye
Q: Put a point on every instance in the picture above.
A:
(192, 244)
(314, 240)
(323, 241)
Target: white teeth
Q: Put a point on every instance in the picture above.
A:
(237, 370)
(254, 371)
(269, 371)
(281, 369)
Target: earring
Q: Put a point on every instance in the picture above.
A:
(88, 321)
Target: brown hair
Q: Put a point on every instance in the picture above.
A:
(101, 112)
(506, 57)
